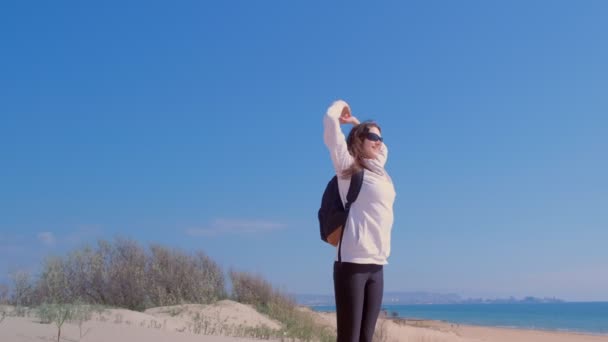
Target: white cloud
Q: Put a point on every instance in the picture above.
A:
(47, 238)
(231, 226)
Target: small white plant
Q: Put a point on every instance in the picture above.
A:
(56, 313)
(82, 313)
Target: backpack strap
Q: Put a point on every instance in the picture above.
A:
(356, 181)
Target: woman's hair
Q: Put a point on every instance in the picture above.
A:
(355, 146)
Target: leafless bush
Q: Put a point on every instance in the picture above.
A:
(4, 290)
(111, 275)
(174, 277)
(87, 270)
(23, 289)
(52, 286)
(250, 289)
(121, 273)
(124, 277)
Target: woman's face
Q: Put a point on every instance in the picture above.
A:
(372, 143)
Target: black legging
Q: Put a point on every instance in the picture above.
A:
(358, 291)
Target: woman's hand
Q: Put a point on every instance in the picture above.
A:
(350, 120)
(346, 117)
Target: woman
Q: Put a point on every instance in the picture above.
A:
(358, 279)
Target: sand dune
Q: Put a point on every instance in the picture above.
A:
(226, 320)
(222, 321)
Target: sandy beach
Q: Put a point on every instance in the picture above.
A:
(426, 330)
(414, 330)
(230, 321)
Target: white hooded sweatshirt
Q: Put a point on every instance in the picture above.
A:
(367, 235)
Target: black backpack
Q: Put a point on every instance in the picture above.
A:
(332, 214)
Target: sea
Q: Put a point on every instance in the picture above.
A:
(587, 317)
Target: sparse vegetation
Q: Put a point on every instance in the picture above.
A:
(4, 299)
(53, 284)
(123, 274)
(209, 325)
(175, 278)
(254, 290)
(250, 289)
(56, 313)
(215, 325)
(20, 311)
(60, 313)
(23, 292)
(82, 313)
(381, 332)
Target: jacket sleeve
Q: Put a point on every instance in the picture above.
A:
(334, 138)
(383, 155)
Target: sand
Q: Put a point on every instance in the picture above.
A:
(193, 322)
(434, 331)
(415, 330)
(182, 323)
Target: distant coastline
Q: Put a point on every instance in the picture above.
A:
(419, 298)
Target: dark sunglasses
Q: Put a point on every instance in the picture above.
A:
(374, 137)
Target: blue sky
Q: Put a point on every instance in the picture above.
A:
(198, 125)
